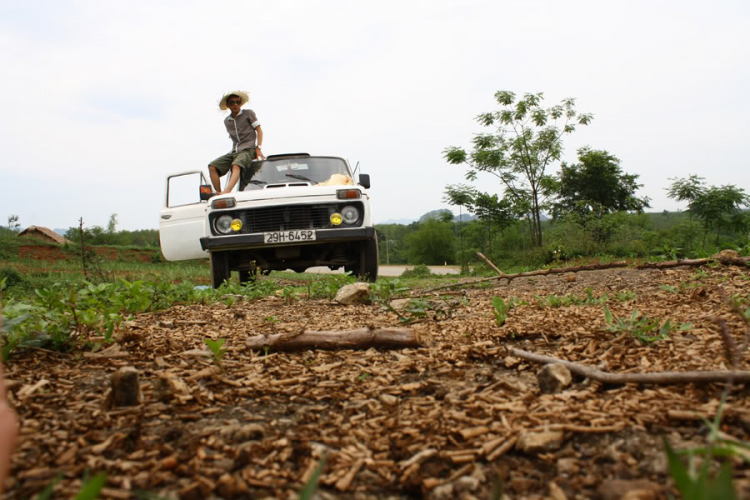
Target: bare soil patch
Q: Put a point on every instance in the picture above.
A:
(52, 253)
(443, 421)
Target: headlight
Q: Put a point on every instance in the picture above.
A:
(350, 214)
(223, 224)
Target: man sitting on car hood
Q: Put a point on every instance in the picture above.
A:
(244, 130)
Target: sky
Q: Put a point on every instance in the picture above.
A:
(101, 100)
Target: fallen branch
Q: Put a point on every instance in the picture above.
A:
(489, 263)
(540, 272)
(727, 261)
(363, 338)
(724, 259)
(662, 378)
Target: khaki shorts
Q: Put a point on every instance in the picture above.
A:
(225, 162)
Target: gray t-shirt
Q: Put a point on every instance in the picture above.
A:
(242, 129)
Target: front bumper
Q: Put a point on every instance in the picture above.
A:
(253, 241)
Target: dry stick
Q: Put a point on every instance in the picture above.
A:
(727, 261)
(541, 272)
(636, 378)
(743, 261)
(362, 338)
(489, 263)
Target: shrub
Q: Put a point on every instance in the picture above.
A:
(418, 271)
(11, 276)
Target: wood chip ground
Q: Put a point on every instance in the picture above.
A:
(445, 419)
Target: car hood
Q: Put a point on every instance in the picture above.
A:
(281, 192)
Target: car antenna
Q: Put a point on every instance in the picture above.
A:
(356, 168)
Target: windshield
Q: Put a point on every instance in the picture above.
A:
(296, 170)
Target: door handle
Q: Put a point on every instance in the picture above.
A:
(166, 216)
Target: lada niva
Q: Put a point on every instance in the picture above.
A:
(291, 211)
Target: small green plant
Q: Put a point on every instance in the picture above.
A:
(89, 491)
(419, 309)
(625, 296)
(229, 299)
(741, 305)
(363, 376)
(669, 288)
(92, 487)
(326, 287)
(697, 484)
(647, 331)
(216, 349)
(272, 320)
(288, 295)
(385, 290)
(555, 300)
(501, 309)
(699, 275)
(311, 485)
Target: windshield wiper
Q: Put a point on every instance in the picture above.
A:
(256, 182)
(301, 177)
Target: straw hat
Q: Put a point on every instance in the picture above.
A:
(244, 98)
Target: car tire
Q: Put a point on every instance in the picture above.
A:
(220, 271)
(368, 264)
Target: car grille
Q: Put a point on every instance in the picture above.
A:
(259, 220)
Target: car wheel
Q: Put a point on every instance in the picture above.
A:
(220, 271)
(368, 261)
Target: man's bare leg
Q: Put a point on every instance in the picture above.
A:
(8, 433)
(215, 178)
(232, 179)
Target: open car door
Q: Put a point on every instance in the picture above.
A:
(183, 220)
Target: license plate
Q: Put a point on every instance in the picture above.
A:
(289, 236)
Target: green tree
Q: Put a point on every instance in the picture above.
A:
(112, 224)
(596, 184)
(13, 223)
(488, 208)
(717, 207)
(526, 140)
(432, 243)
(462, 197)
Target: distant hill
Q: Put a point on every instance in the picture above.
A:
(404, 222)
(435, 214)
(60, 231)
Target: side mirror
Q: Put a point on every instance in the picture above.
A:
(206, 192)
(364, 180)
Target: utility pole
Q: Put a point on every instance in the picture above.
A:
(387, 249)
(461, 235)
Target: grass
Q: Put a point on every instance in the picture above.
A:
(51, 304)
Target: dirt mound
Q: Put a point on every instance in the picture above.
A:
(52, 253)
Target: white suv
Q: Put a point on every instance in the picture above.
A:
(291, 211)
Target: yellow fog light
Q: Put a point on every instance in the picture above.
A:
(336, 219)
(236, 225)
